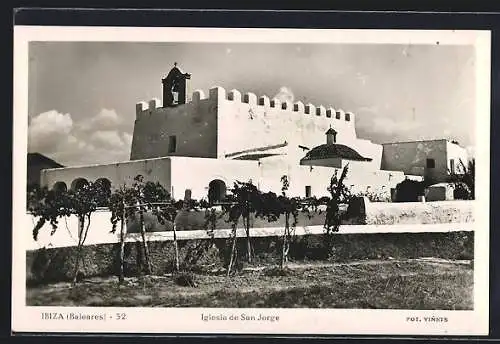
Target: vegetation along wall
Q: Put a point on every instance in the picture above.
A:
(57, 264)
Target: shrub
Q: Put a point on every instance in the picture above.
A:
(373, 196)
(185, 279)
(277, 271)
(409, 190)
(464, 181)
(461, 191)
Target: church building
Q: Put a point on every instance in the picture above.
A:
(206, 144)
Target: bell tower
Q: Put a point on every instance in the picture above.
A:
(174, 87)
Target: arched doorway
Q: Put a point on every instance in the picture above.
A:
(216, 191)
(60, 187)
(104, 183)
(79, 183)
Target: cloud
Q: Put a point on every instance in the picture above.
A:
(368, 109)
(96, 140)
(48, 130)
(106, 119)
(107, 138)
(362, 78)
(285, 94)
(373, 123)
(387, 125)
(127, 138)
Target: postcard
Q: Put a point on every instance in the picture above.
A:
(251, 181)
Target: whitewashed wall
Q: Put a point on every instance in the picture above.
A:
(457, 211)
(100, 227)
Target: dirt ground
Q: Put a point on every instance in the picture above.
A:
(381, 284)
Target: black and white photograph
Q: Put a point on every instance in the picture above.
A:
(251, 181)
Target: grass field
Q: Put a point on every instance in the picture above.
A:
(381, 284)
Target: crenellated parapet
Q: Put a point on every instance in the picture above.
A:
(298, 107)
(310, 109)
(321, 111)
(250, 98)
(154, 103)
(198, 95)
(234, 95)
(286, 105)
(145, 108)
(141, 107)
(264, 101)
(219, 93)
(275, 103)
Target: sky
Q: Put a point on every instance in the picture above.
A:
(82, 95)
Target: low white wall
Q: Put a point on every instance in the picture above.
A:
(66, 233)
(100, 227)
(419, 213)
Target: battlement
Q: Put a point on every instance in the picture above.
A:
(218, 93)
(142, 107)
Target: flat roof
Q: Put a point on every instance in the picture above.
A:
(412, 141)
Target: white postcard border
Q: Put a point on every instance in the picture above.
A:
(292, 321)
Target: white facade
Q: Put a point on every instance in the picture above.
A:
(228, 136)
(434, 159)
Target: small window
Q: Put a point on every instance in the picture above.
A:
(308, 190)
(172, 144)
(337, 115)
(452, 165)
(431, 163)
(347, 117)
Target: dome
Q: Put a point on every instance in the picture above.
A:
(327, 151)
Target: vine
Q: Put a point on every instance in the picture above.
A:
(50, 205)
(243, 202)
(339, 193)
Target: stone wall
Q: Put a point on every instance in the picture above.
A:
(57, 264)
